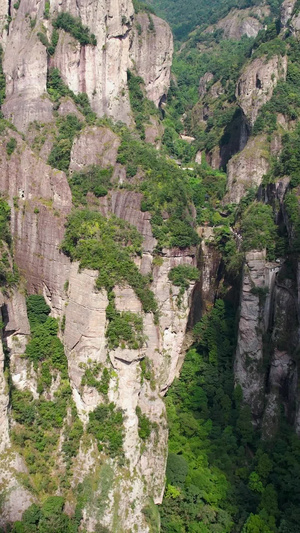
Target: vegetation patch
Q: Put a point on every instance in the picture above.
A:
(93, 179)
(106, 424)
(142, 107)
(39, 422)
(181, 276)
(60, 154)
(91, 377)
(167, 193)
(108, 245)
(10, 146)
(57, 89)
(144, 424)
(9, 274)
(73, 25)
(258, 229)
(2, 79)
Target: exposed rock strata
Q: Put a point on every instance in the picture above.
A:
(266, 363)
(257, 82)
(100, 71)
(40, 200)
(241, 22)
(246, 169)
(286, 11)
(151, 54)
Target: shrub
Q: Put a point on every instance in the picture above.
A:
(60, 154)
(107, 245)
(93, 179)
(125, 329)
(258, 228)
(144, 424)
(166, 192)
(11, 145)
(106, 424)
(74, 26)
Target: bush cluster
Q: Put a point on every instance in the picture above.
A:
(106, 424)
(74, 26)
(60, 154)
(93, 179)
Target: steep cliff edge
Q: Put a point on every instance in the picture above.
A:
(137, 377)
(97, 68)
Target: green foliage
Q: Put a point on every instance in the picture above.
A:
(91, 377)
(37, 310)
(185, 17)
(292, 205)
(74, 26)
(106, 424)
(47, 9)
(199, 413)
(182, 275)
(225, 61)
(4, 221)
(227, 245)
(93, 179)
(9, 275)
(39, 421)
(151, 513)
(166, 190)
(288, 163)
(142, 7)
(44, 345)
(144, 424)
(60, 154)
(49, 518)
(11, 145)
(107, 245)
(286, 95)
(258, 228)
(125, 329)
(2, 79)
(58, 89)
(142, 107)
(72, 435)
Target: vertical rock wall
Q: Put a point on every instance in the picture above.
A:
(99, 71)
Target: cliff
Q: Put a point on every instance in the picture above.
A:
(99, 70)
(39, 210)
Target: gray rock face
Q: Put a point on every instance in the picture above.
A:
(25, 67)
(248, 368)
(241, 22)
(246, 169)
(286, 11)
(40, 200)
(100, 71)
(256, 84)
(151, 54)
(266, 363)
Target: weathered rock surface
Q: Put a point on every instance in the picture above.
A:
(151, 54)
(40, 200)
(241, 22)
(203, 82)
(94, 146)
(257, 82)
(25, 67)
(258, 277)
(286, 11)
(100, 71)
(246, 169)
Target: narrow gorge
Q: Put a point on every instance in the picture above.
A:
(149, 266)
